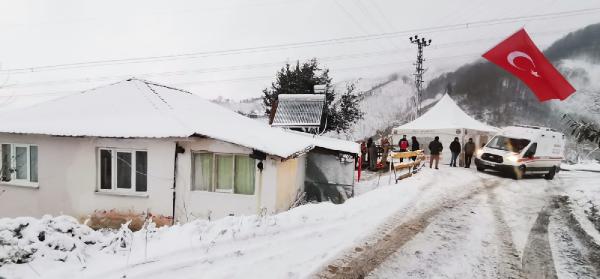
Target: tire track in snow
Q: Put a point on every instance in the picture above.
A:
(579, 252)
(537, 255)
(359, 262)
(510, 267)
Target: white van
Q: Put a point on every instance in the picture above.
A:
(520, 150)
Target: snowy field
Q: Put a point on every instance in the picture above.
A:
(477, 225)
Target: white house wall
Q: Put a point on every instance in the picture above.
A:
(68, 180)
(290, 181)
(203, 204)
(67, 172)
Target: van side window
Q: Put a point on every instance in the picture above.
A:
(532, 149)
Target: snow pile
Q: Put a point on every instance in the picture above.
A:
(56, 238)
(584, 194)
(582, 166)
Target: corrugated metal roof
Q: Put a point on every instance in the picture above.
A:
(299, 110)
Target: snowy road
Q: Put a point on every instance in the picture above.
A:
(451, 223)
(500, 229)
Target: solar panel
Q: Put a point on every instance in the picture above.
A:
(299, 110)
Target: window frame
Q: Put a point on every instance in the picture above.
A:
(213, 186)
(113, 171)
(13, 164)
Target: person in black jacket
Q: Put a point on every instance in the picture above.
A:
(455, 149)
(372, 153)
(469, 150)
(435, 148)
(414, 146)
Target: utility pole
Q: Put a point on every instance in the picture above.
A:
(419, 70)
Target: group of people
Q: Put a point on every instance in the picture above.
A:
(436, 147)
(370, 152)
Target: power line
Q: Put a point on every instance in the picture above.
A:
(273, 47)
(252, 78)
(394, 51)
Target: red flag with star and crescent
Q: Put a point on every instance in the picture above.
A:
(519, 56)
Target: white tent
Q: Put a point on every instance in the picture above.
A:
(446, 120)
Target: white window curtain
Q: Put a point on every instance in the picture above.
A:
(203, 172)
(224, 164)
(244, 175)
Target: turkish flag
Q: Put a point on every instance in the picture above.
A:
(519, 56)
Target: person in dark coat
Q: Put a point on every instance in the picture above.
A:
(455, 150)
(414, 146)
(435, 148)
(372, 150)
(403, 144)
(469, 150)
(363, 153)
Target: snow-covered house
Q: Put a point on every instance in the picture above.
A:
(446, 120)
(137, 145)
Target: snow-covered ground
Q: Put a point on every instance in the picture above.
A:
(478, 225)
(583, 166)
(518, 229)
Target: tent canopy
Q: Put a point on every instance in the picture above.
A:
(446, 114)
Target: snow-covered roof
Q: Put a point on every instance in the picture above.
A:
(140, 109)
(446, 114)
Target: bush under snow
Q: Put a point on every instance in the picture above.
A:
(59, 238)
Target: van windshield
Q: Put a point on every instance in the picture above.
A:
(509, 144)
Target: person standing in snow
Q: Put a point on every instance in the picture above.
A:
(363, 153)
(435, 148)
(403, 144)
(385, 144)
(372, 150)
(414, 146)
(455, 150)
(469, 150)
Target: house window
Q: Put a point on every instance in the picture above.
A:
(227, 173)
(122, 170)
(19, 163)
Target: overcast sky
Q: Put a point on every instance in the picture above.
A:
(217, 48)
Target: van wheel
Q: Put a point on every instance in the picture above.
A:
(480, 168)
(519, 172)
(550, 174)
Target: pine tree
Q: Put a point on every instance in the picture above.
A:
(348, 111)
(301, 79)
(584, 131)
